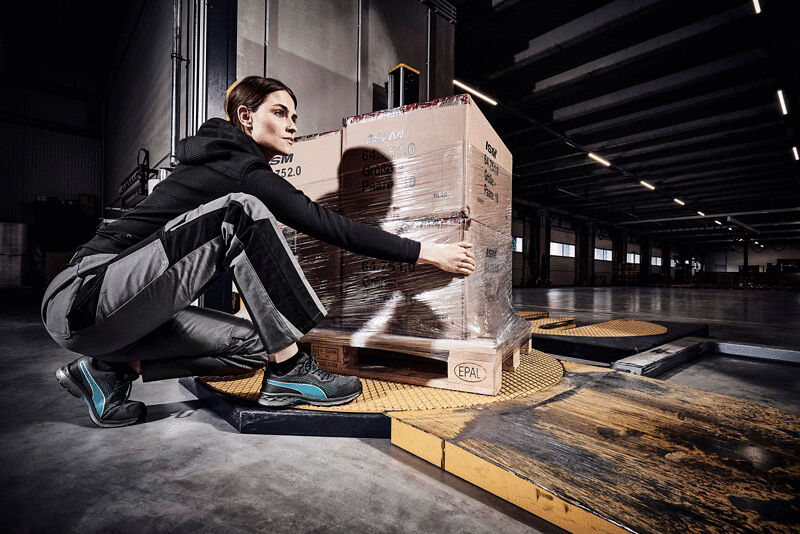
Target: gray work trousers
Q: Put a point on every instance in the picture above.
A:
(136, 305)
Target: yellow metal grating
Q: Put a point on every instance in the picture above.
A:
(615, 328)
(536, 371)
(529, 315)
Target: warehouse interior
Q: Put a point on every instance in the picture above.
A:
(655, 180)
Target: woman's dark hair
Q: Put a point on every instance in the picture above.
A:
(250, 93)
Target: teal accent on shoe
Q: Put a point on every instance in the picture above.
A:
(98, 398)
(305, 389)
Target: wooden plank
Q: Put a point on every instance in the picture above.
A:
(644, 454)
(499, 481)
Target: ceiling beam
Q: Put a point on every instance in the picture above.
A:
(712, 215)
(658, 86)
(722, 120)
(640, 51)
(579, 30)
(740, 224)
(668, 109)
(700, 155)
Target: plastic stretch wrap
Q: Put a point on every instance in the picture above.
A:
(433, 173)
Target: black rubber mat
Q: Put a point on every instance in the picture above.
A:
(249, 418)
(611, 349)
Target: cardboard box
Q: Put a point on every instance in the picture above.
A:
(423, 301)
(313, 167)
(436, 159)
(15, 270)
(15, 239)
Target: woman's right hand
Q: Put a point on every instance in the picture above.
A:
(456, 258)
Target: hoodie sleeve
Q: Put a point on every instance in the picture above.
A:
(293, 208)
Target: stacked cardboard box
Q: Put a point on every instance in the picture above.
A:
(16, 255)
(438, 173)
(435, 172)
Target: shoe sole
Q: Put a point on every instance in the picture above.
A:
(75, 388)
(283, 400)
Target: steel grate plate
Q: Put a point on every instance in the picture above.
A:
(615, 328)
(536, 371)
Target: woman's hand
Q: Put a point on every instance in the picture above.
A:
(456, 258)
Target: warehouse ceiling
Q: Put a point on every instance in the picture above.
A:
(678, 93)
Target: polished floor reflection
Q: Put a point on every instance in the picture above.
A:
(752, 316)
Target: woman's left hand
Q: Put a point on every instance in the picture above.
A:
(455, 258)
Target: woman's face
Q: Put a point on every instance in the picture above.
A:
(272, 126)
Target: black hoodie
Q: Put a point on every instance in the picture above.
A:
(220, 160)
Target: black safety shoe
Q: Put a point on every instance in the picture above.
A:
(104, 392)
(307, 383)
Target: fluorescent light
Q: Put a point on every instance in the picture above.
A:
(600, 160)
(717, 222)
(701, 214)
(474, 92)
(679, 201)
(782, 102)
(731, 229)
(757, 6)
(651, 187)
(755, 242)
(794, 151)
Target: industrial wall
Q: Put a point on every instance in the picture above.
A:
(722, 261)
(562, 269)
(632, 248)
(314, 48)
(656, 252)
(139, 94)
(51, 147)
(518, 258)
(603, 268)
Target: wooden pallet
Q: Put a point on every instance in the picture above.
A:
(474, 366)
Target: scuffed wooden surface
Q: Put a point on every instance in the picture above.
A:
(652, 456)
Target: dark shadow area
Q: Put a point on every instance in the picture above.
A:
(369, 182)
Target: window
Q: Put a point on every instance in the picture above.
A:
(602, 254)
(630, 257)
(562, 249)
(516, 244)
(655, 260)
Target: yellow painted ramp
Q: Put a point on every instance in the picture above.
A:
(605, 451)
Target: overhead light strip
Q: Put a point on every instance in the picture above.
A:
(651, 187)
(717, 222)
(701, 214)
(600, 160)
(796, 155)
(757, 6)
(474, 92)
(679, 201)
(784, 111)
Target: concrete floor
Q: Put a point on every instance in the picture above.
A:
(186, 469)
